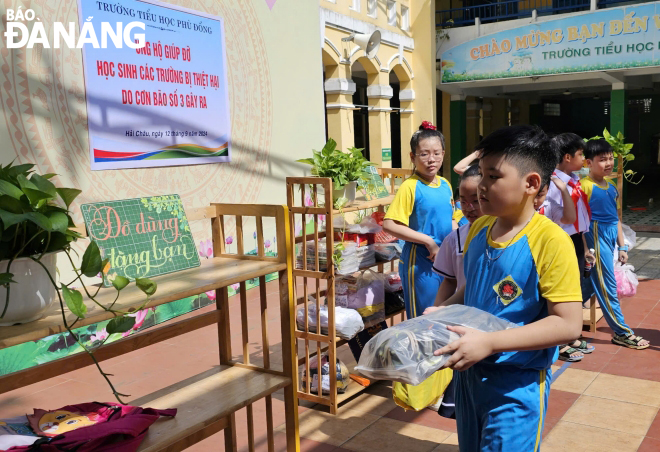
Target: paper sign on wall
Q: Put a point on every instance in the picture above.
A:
(164, 104)
(142, 237)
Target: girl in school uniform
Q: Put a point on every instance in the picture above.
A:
(421, 215)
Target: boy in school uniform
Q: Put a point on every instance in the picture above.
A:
(516, 268)
(604, 234)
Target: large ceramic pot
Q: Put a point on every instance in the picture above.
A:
(32, 293)
(348, 192)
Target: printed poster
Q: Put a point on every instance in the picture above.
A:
(608, 39)
(164, 104)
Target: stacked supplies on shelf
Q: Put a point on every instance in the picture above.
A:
(348, 262)
(364, 293)
(343, 377)
(348, 322)
(394, 301)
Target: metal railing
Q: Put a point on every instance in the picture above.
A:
(493, 10)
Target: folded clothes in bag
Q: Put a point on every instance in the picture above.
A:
(404, 352)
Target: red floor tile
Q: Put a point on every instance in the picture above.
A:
(649, 445)
(559, 402)
(595, 362)
(428, 418)
(644, 364)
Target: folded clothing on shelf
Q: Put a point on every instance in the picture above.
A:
(348, 322)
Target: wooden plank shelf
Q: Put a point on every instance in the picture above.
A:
(232, 388)
(213, 274)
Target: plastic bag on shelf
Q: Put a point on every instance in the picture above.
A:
(404, 352)
(367, 226)
(366, 290)
(348, 322)
(394, 302)
(375, 316)
(626, 279)
(382, 236)
(393, 282)
(387, 251)
(348, 263)
(343, 376)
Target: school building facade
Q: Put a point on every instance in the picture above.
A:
(567, 65)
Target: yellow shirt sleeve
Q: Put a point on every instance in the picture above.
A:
(559, 274)
(587, 187)
(403, 203)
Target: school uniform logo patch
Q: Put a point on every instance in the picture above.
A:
(507, 290)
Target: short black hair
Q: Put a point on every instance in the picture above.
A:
(423, 134)
(567, 143)
(471, 171)
(597, 147)
(528, 148)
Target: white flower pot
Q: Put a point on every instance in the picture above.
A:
(348, 192)
(32, 293)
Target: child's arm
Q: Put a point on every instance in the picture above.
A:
(403, 232)
(457, 298)
(446, 290)
(620, 240)
(588, 256)
(562, 325)
(461, 166)
(569, 216)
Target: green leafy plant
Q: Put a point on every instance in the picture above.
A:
(341, 167)
(620, 148)
(35, 220)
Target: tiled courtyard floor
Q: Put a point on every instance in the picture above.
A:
(607, 402)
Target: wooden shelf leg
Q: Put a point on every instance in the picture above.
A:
(592, 314)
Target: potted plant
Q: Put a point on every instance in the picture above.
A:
(35, 225)
(344, 168)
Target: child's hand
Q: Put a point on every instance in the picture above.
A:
(558, 182)
(623, 257)
(472, 347)
(589, 257)
(431, 309)
(433, 249)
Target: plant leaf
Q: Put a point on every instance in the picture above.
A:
(606, 134)
(308, 161)
(119, 282)
(44, 185)
(630, 157)
(91, 262)
(146, 285)
(14, 171)
(35, 196)
(6, 278)
(120, 324)
(73, 300)
(10, 189)
(59, 222)
(68, 195)
(10, 219)
(48, 175)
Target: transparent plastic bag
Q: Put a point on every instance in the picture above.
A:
(348, 322)
(387, 251)
(629, 236)
(343, 376)
(626, 279)
(404, 352)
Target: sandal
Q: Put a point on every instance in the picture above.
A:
(630, 341)
(584, 347)
(565, 355)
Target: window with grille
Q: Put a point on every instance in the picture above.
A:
(372, 8)
(643, 104)
(551, 109)
(391, 12)
(606, 107)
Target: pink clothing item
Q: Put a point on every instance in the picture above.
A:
(93, 427)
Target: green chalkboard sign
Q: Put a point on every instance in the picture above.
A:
(372, 183)
(142, 237)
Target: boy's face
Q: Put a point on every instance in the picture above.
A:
(602, 165)
(469, 198)
(576, 162)
(540, 198)
(503, 191)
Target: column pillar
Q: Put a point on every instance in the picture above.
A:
(379, 94)
(406, 98)
(473, 115)
(458, 130)
(339, 92)
(618, 106)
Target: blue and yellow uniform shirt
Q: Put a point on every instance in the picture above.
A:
(458, 216)
(603, 201)
(424, 207)
(515, 282)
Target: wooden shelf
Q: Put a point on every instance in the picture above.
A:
(214, 273)
(361, 204)
(231, 388)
